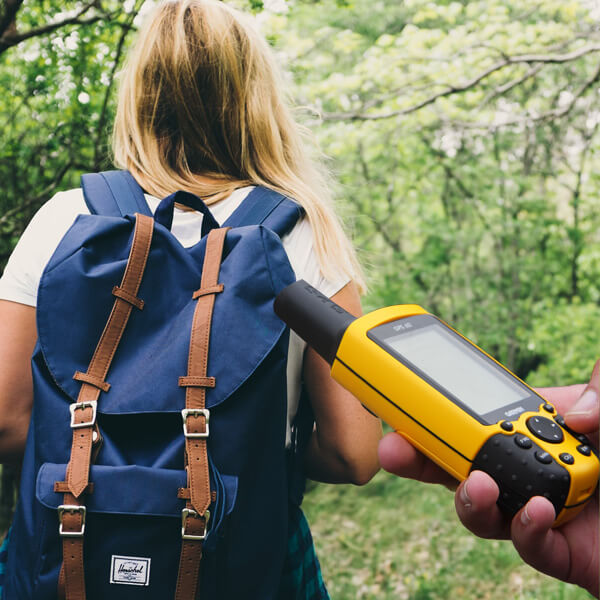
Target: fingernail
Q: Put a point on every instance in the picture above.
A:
(464, 496)
(586, 405)
(525, 518)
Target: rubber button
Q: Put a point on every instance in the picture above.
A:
(545, 429)
(566, 458)
(548, 408)
(559, 419)
(582, 438)
(523, 441)
(507, 426)
(543, 457)
(584, 449)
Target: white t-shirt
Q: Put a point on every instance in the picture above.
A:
(20, 280)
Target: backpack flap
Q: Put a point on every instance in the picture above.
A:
(135, 490)
(75, 299)
(128, 489)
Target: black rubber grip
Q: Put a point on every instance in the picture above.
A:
(521, 474)
(319, 321)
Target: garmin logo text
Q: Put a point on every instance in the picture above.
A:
(514, 411)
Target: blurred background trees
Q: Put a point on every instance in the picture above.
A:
(463, 135)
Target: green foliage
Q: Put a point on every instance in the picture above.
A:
(401, 540)
(467, 169)
(568, 345)
(256, 5)
(56, 121)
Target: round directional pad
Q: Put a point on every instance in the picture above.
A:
(545, 429)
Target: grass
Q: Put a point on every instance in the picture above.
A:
(401, 539)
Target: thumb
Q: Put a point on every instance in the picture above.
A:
(584, 414)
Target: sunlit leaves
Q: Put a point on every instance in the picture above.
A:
(467, 204)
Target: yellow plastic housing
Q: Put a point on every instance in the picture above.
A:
(429, 420)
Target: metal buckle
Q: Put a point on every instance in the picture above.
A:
(72, 508)
(190, 512)
(80, 406)
(186, 412)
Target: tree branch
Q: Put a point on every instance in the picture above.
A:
(7, 20)
(12, 39)
(467, 85)
(509, 85)
(549, 115)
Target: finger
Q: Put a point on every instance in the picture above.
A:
(562, 397)
(399, 457)
(539, 545)
(476, 506)
(583, 415)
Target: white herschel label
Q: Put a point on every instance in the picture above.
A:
(130, 570)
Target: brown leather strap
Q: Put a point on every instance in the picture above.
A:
(215, 289)
(72, 527)
(136, 265)
(62, 487)
(197, 364)
(184, 494)
(83, 413)
(125, 295)
(61, 583)
(196, 421)
(197, 382)
(189, 560)
(93, 380)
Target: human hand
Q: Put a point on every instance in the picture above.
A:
(569, 552)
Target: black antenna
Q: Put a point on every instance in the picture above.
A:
(319, 321)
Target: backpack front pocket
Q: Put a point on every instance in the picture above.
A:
(132, 532)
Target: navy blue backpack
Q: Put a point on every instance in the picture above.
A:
(156, 463)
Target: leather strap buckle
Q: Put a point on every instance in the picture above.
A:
(190, 512)
(93, 404)
(195, 412)
(71, 508)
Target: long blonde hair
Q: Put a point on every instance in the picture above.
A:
(201, 109)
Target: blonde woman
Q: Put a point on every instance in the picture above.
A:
(201, 109)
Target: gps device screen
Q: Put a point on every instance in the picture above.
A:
(452, 365)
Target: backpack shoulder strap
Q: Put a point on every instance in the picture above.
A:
(266, 207)
(114, 194)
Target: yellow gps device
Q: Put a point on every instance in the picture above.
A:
(450, 399)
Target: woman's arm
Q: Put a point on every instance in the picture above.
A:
(343, 447)
(17, 339)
